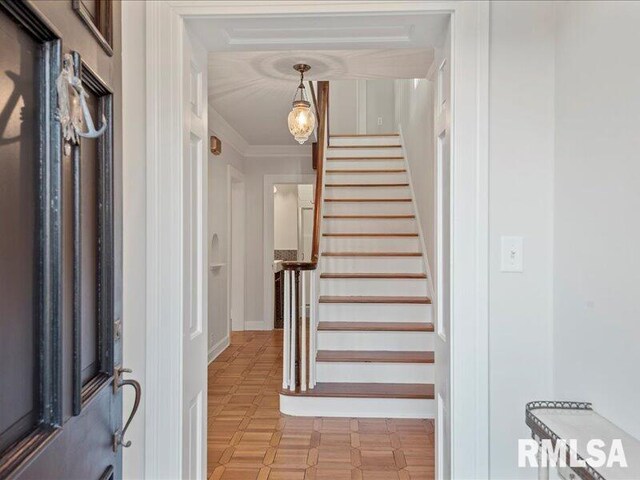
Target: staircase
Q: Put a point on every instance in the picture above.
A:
(374, 332)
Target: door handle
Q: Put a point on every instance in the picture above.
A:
(118, 382)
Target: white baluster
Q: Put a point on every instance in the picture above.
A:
(303, 332)
(286, 315)
(294, 321)
(312, 329)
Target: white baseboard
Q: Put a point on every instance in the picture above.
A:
(255, 326)
(217, 349)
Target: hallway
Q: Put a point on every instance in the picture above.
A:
(250, 439)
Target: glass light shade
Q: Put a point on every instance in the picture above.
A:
(301, 121)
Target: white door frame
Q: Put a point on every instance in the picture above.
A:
(233, 176)
(469, 323)
(267, 235)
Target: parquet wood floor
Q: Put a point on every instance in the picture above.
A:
(249, 439)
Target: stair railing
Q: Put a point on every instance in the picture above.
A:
(300, 323)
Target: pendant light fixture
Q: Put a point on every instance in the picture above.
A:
(301, 119)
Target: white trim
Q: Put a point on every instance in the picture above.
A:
(470, 232)
(469, 394)
(267, 238)
(481, 269)
(164, 396)
(232, 173)
(217, 349)
(425, 256)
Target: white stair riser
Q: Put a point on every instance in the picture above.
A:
(369, 225)
(367, 192)
(371, 244)
(384, 341)
(371, 264)
(364, 152)
(357, 407)
(369, 312)
(367, 208)
(364, 141)
(366, 164)
(373, 286)
(378, 177)
(375, 372)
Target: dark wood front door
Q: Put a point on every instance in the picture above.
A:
(60, 246)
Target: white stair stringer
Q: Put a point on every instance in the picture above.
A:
(375, 363)
(307, 406)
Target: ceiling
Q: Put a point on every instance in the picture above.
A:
(251, 80)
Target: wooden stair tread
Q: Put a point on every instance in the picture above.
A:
(390, 216)
(375, 326)
(364, 158)
(365, 147)
(372, 254)
(364, 185)
(382, 170)
(367, 200)
(376, 299)
(390, 276)
(374, 356)
(370, 234)
(347, 135)
(369, 390)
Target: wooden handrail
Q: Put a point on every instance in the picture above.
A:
(323, 140)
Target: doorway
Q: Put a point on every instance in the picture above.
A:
(292, 234)
(469, 202)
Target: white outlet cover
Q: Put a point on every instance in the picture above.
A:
(511, 254)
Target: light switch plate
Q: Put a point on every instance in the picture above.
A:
(511, 253)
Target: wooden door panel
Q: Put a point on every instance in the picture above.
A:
(60, 251)
(19, 159)
(88, 246)
(82, 449)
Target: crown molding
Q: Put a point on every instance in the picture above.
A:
(221, 128)
(278, 151)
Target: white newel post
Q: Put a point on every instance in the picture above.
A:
(312, 329)
(293, 319)
(286, 315)
(303, 331)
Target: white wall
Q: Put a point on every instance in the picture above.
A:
(521, 195)
(134, 239)
(597, 200)
(414, 114)
(343, 106)
(380, 104)
(218, 216)
(255, 170)
(355, 105)
(285, 218)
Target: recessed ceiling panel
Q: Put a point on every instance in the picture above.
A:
(400, 35)
(229, 33)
